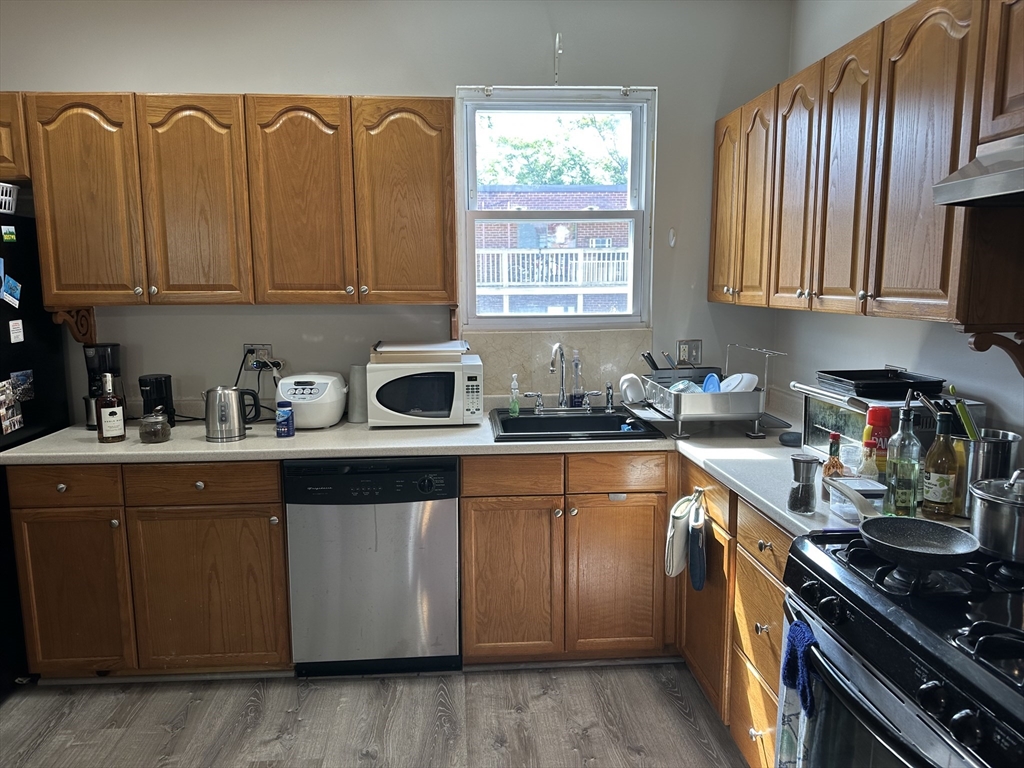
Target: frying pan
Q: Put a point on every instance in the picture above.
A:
(919, 544)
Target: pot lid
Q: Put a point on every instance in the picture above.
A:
(1006, 491)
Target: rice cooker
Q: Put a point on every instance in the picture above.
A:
(318, 399)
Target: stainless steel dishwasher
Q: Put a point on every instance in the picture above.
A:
(373, 565)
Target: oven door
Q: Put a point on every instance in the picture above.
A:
(859, 720)
(407, 394)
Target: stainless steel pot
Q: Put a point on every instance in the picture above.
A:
(997, 516)
(994, 455)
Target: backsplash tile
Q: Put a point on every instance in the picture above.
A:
(606, 356)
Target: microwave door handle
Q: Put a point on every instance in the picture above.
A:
(894, 742)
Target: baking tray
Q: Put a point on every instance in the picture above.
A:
(879, 383)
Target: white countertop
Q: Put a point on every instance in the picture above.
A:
(758, 470)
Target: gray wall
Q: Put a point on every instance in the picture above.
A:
(821, 341)
(705, 58)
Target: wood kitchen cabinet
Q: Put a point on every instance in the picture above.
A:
(302, 199)
(405, 199)
(88, 202)
(72, 557)
(754, 709)
(846, 145)
(208, 573)
(13, 140)
(725, 197)
(553, 576)
(195, 198)
(757, 174)
(1002, 88)
(796, 148)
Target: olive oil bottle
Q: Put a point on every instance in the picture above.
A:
(901, 469)
(940, 473)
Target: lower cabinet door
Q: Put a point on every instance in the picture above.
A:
(210, 586)
(75, 590)
(615, 578)
(753, 710)
(512, 586)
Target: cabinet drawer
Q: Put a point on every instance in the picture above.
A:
(513, 475)
(65, 485)
(717, 499)
(757, 618)
(753, 710)
(617, 472)
(229, 482)
(764, 540)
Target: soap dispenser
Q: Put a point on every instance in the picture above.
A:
(513, 400)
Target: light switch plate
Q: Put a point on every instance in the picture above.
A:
(689, 350)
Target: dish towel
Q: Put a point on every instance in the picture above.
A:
(796, 664)
(695, 545)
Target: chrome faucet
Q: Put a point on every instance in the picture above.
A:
(558, 351)
(609, 406)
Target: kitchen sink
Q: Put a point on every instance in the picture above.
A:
(569, 424)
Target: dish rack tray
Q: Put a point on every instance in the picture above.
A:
(682, 408)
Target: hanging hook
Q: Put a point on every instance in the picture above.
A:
(558, 53)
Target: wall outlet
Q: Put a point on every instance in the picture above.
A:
(689, 350)
(255, 353)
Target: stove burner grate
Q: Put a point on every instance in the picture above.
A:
(1009, 576)
(998, 647)
(901, 582)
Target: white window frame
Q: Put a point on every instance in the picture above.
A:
(643, 102)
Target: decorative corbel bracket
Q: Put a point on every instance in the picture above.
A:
(982, 342)
(81, 322)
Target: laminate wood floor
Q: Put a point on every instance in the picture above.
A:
(650, 715)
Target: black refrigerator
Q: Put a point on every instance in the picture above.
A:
(33, 403)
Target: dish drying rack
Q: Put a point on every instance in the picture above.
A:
(663, 405)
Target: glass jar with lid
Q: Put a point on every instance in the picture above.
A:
(154, 427)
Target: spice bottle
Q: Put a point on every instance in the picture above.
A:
(801, 493)
(285, 419)
(880, 421)
(868, 460)
(833, 467)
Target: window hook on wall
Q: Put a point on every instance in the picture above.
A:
(558, 53)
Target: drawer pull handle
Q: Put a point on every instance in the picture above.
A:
(574, 511)
(762, 545)
(61, 487)
(760, 629)
(274, 520)
(558, 513)
(115, 523)
(200, 485)
(754, 735)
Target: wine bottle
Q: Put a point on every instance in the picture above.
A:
(940, 472)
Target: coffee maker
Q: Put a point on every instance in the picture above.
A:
(100, 359)
(156, 390)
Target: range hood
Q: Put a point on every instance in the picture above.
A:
(994, 178)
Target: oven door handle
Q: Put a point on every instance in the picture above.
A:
(892, 741)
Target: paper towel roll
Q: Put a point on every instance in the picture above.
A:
(357, 394)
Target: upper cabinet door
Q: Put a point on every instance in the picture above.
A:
(196, 203)
(796, 149)
(845, 162)
(405, 199)
(1002, 90)
(88, 203)
(725, 195)
(757, 161)
(13, 144)
(300, 187)
(926, 99)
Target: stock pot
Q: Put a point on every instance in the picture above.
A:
(997, 516)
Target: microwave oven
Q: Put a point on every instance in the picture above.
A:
(425, 394)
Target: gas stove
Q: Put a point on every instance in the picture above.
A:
(952, 641)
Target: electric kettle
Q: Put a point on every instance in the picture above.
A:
(225, 413)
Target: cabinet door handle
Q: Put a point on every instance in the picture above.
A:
(573, 512)
(152, 290)
(137, 290)
(727, 290)
(861, 295)
(754, 735)
(115, 523)
(61, 487)
(800, 293)
(814, 294)
(274, 520)
(762, 545)
(200, 485)
(760, 629)
(350, 290)
(363, 290)
(558, 513)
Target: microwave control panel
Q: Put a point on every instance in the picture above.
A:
(473, 397)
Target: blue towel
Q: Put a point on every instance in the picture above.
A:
(796, 664)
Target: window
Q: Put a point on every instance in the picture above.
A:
(556, 186)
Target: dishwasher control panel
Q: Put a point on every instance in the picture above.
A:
(370, 481)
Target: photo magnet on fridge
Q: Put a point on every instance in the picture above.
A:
(17, 331)
(12, 291)
(10, 409)
(21, 382)
(9, 234)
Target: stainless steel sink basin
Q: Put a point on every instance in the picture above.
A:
(569, 424)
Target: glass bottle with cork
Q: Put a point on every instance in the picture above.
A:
(109, 413)
(940, 472)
